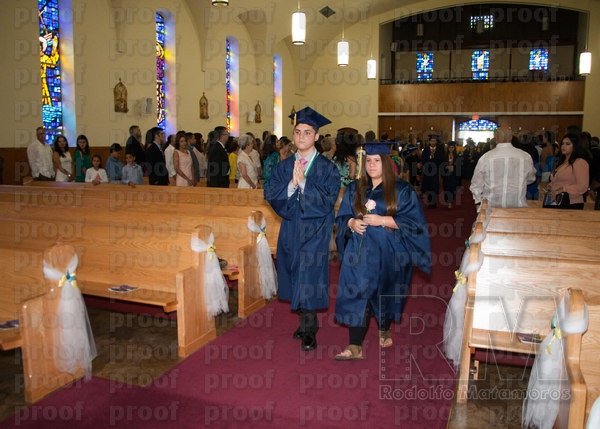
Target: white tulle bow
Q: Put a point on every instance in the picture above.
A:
(266, 269)
(74, 333)
(455, 313)
(216, 292)
(541, 405)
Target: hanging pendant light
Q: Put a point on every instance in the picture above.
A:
(220, 2)
(343, 50)
(420, 29)
(298, 27)
(343, 47)
(585, 58)
(479, 26)
(371, 63)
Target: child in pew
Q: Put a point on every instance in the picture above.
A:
(132, 173)
(114, 168)
(96, 175)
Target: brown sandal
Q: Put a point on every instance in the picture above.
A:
(385, 339)
(352, 352)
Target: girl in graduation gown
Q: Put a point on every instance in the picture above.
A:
(382, 234)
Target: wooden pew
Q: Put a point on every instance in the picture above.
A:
(521, 267)
(157, 286)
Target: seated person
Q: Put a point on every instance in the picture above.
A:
(114, 168)
(96, 175)
(132, 173)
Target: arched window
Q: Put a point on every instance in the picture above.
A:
(49, 38)
(161, 116)
(277, 96)
(232, 86)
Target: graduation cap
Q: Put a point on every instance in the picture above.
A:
(434, 136)
(377, 148)
(310, 117)
(451, 143)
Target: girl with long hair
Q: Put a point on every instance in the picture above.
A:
(381, 235)
(572, 173)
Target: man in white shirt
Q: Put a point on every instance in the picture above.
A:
(39, 155)
(169, 161)
(502, 174)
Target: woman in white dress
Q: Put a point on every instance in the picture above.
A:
(61, 158)
(247, 168)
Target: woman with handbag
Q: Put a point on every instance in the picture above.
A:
(570, 179)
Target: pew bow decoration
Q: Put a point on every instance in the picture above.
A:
(549, 370)
(216, 292)
(266, 269)
(73, 333)
(455, 313)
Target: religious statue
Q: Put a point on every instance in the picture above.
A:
(257, 117)
(203, 107)
(120, 92)
(292, 115)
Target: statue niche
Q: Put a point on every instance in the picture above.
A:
(120, 93)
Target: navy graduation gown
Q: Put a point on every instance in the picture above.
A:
(382, 272)
(306, 228)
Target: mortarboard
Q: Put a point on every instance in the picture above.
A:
(434, 136)
(451, 143)
(377, 148)
(310, 117)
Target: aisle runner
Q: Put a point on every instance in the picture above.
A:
(255, 375)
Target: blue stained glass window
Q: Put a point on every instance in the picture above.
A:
(424, 66)
(480, 65)
(538, 59)
(488, 21)
(161, 117)
(228, 84)
(49, 37)
(477, 125)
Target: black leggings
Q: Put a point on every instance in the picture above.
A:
(357, 333)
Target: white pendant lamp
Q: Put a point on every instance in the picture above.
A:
(298, 27)
(343, 47)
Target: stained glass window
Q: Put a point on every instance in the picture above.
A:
(228, 85)
(425, 66)
(49, 37)
(480, 65)
(478, 125)
(277, 95)
(488, 21)
(161, 117)
(538, 59)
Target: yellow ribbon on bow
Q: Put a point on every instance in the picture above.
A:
(68, 278)
(263, 233)
(556, 333)
(460, 280)
(212, 249)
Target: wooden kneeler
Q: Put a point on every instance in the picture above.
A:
(194, 328)
(249, 293)
(37, 324)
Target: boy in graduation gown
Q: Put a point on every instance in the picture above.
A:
(303, 190)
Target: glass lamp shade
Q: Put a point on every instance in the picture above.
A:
(298, 28)
(371, 69)
(585, 63)
(479, 26)
(220, 2)
(343, 53)
(420, 30)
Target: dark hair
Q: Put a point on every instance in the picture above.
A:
(97, 156)
(156, 131)
(346, 148)
(133, 127)
(115, 147)
(370, 136)
(199, 144)
(269, 147)
(180, 135)
(389, 188)
(86, 150)
(550, 136)
(57, 148)
(219, 131)
(578, 151)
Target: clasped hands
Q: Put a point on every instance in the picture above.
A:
(298, 173)
(360, 225)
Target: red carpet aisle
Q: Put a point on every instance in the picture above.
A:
(255, 375)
